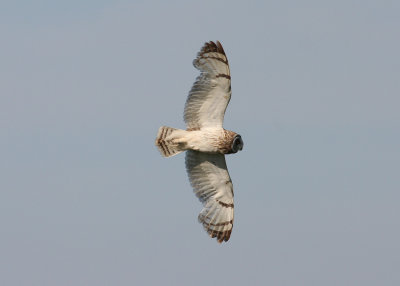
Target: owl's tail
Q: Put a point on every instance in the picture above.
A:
(164, 141)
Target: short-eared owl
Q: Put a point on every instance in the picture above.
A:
(206, 141)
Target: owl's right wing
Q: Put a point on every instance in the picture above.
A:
(211, 92)
(209, 177)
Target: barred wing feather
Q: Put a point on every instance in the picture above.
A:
(211, 92)
(209, 177)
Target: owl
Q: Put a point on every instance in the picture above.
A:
(206, 142)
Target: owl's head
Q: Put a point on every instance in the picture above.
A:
(237, 144)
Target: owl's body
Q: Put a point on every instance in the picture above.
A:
(206, 142)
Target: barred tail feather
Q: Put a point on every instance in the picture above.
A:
(165, 146)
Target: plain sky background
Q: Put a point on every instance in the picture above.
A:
(86, 199)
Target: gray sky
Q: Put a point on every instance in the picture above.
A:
(86, 199)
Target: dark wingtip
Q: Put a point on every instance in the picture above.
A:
(220, 235)
(211, 47)
(220, 48)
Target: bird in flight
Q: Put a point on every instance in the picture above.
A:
(206, 142)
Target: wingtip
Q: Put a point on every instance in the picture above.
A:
(222, 236)
(212, 47)
(220, 48)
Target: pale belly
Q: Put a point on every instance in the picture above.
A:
(205, 140)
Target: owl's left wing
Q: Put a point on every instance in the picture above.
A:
(209, 177)
(211, 92)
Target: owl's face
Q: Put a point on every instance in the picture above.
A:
(237, 144)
